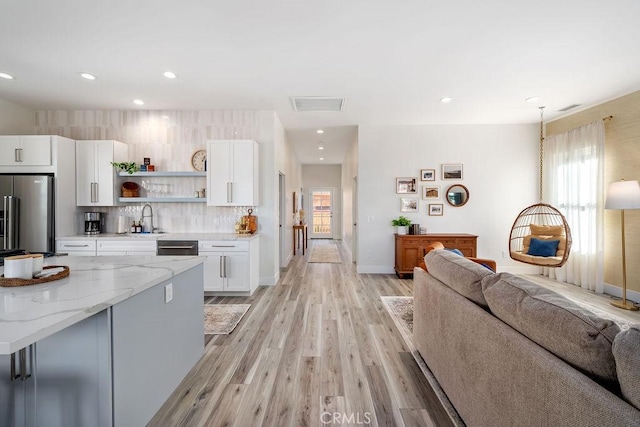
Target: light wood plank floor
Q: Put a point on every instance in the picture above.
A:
(318, 349)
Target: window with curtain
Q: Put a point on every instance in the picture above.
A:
(574, 164)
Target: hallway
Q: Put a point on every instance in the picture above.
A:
(317, 349)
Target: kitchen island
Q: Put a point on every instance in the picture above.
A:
(105, 346)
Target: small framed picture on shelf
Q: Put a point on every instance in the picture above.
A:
(430, 192)
(409, 204)
(407, 185)
(436, 209)
(452, 171)
(427, 174)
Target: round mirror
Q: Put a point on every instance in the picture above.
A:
(457, 195)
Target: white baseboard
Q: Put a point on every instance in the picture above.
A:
(518, 269)
(374, 269)
(617, 292)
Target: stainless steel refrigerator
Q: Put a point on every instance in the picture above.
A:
(27, 218)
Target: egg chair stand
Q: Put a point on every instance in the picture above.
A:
(541, 222)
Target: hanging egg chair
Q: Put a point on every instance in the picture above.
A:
(540, 235)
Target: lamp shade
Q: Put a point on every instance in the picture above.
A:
(623, 195)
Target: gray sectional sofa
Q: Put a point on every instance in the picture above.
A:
(508, 352)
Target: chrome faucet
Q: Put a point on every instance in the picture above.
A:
(143, 216)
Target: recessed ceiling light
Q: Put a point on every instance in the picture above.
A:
(170, 75)
(321, 158)
(320, 147)
(446, 99)
(319, 131)
(138, 101)
(532, 99)
(7, 76)
(88, 76)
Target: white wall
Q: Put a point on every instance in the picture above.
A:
(500, 171)
(328, 176)
(15, 119)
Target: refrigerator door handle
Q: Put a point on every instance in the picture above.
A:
(10, 218)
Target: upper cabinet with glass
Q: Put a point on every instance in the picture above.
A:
(457, 195)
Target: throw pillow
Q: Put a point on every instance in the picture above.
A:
(546, 230)
(455, 251)
(545, 248)
(564, 328)
(626, 351)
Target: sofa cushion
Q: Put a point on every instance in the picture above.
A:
(567, 330)
(626, 351)
(458, 273)
(539, 247)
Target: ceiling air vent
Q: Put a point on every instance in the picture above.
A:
(569, 107)
(317, 103)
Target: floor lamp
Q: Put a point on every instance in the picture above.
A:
(623, 195)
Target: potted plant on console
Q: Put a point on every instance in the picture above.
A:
(401, 223)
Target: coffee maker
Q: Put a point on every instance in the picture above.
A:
(93, 222)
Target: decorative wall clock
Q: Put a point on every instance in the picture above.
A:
(198, 159)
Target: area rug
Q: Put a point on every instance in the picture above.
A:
(221, 319)
(326, 252)
(401, 311)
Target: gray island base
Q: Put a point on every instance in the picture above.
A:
(105, 346)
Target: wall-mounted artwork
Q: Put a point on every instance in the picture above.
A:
(409, 204)
(407, 185)
(427, 174)
(436, 209)
(431, 192)
(295, 203)
(452, 171)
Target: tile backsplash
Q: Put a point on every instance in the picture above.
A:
(169, 138)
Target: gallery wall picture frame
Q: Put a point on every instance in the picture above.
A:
(409, 204)
(427, 174)
(436, 209)
(452, 171)
(407, 185)
(430, 192)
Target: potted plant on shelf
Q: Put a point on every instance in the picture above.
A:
(401, 223)
(129, 167)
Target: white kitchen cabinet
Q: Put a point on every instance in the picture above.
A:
(76, 247)
(125, 246)
(231, 267)
(29, 150)
(232, 173)
(96, 184)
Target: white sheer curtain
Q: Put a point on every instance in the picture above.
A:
(574, 164)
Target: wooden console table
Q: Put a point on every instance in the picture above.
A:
(297, 230)
(410, 248)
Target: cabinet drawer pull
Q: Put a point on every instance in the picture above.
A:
(75, 246)
(221, 265)
(223, 246)
(15, 155)
(176, 247)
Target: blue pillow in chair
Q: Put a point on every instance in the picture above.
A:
(545, 248)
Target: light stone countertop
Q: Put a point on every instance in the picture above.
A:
(31, 313)
(164, 236)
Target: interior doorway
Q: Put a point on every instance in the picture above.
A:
(282, 208)
(321, 219)
(354, 217)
